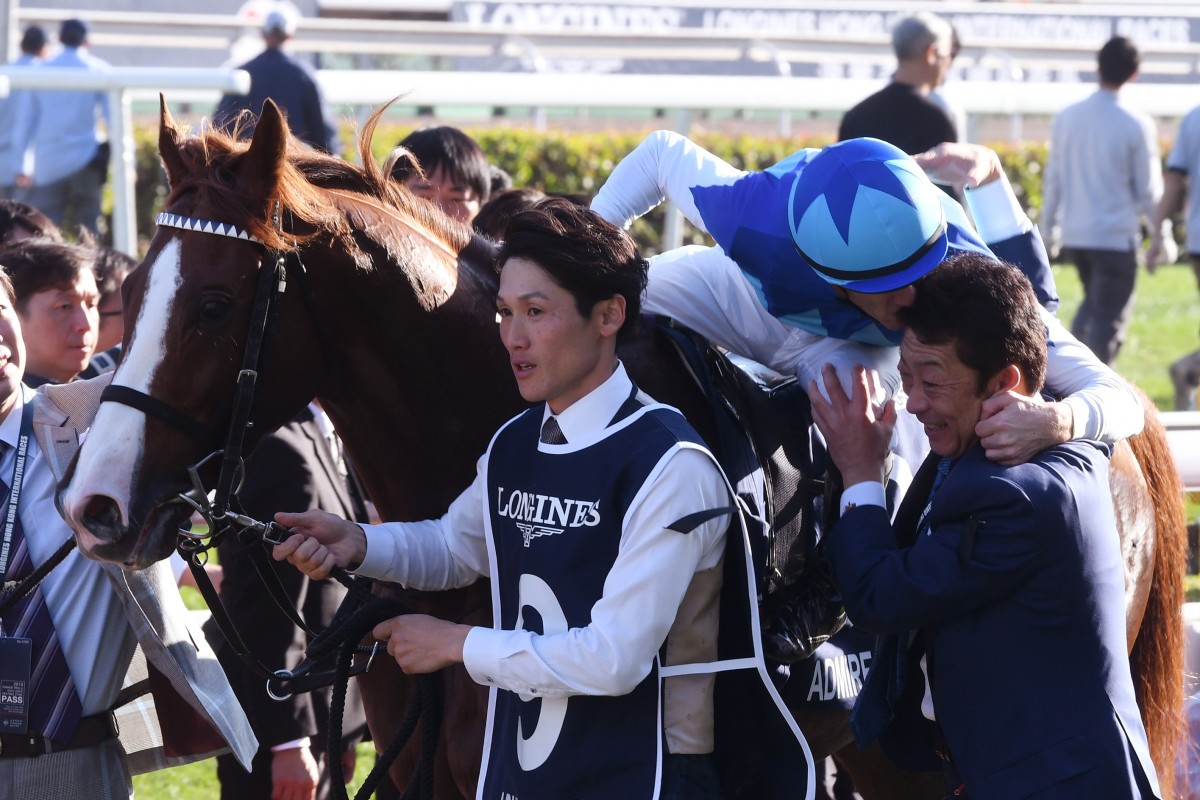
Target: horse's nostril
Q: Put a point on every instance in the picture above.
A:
(101, 513)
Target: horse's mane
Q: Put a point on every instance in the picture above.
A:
(324, 194)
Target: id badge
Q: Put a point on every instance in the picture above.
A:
(16, 656)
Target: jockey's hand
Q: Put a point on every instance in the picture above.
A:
(857, 431)
(421, 644)
(319, 542)
(294, 774)
(1014, 427)
(961, 164)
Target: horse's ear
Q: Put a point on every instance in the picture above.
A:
(262, 165)
(168, 142)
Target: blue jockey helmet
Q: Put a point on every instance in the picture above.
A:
(864, 216)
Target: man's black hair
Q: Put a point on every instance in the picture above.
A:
(988, 309)
(582, 252)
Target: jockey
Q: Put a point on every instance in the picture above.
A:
(816, 255)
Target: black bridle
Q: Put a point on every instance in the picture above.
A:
(362, 610)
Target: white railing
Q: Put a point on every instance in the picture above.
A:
(119, 82)
(701, 92)
(1183, 436)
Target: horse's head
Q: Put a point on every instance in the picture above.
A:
(189, 308)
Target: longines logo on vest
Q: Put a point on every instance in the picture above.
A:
(542, 515)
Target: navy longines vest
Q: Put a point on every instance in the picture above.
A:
(556, 522)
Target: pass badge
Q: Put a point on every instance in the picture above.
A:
(15, 658)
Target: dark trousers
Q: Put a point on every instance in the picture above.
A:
(1108, 278)
(690, 777)
(74, 199)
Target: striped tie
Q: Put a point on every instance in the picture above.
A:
(54, 707)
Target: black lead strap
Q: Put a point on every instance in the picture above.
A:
(14, 592)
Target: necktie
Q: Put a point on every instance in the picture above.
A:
(54, 707)
(888, 677)
(943, 469)
(551, 433)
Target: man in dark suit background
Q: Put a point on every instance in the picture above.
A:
(1000, 589)
(287, 80)
(294, 465)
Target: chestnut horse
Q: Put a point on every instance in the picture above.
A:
(397, 338)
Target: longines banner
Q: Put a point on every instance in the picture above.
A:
(979, 25)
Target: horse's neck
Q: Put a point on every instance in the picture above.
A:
(421, 392)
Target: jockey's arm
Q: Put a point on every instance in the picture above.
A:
(666, 166)
(705, 290)
(1103, 404)
(1096, 403)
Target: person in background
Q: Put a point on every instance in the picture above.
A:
(288, 81)
(1182, 178)
(296, 467)
(69, 157)
(56, 299)
(20, 221)
(902, 113)
(111, 267)
(1103, 183)
(938, 95)
(446, 166)
(502, 206)
(12, 161)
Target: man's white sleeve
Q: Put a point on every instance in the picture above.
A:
(1103, 404)
(665, 165)
(434, 554)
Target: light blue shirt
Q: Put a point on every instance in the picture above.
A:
(12, 160)
(61, 125)
(93, 631)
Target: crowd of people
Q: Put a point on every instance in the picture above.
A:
(934, 364)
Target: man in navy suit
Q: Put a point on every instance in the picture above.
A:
(999, 589)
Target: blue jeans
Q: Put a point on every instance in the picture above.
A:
(690, 777)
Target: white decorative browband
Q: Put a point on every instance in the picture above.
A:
(204, 226)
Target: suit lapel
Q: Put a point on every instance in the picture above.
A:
(328, 465)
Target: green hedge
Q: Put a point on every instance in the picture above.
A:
(580, 163)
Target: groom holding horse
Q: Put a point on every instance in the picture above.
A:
(601, 518)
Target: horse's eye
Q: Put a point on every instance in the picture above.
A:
(214, 310)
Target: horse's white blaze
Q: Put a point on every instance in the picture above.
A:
(116, 440)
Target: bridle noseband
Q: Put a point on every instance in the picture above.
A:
(272, 283)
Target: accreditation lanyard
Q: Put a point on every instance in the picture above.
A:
(14, 493)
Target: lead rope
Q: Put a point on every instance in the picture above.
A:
(426, 707)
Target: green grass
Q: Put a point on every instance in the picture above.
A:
(1163, 328)
(199, 781)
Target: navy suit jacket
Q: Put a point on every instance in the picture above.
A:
(1017, 591)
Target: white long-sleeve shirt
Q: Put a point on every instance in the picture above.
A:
(642, 593)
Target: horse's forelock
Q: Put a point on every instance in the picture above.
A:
(211, 160)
